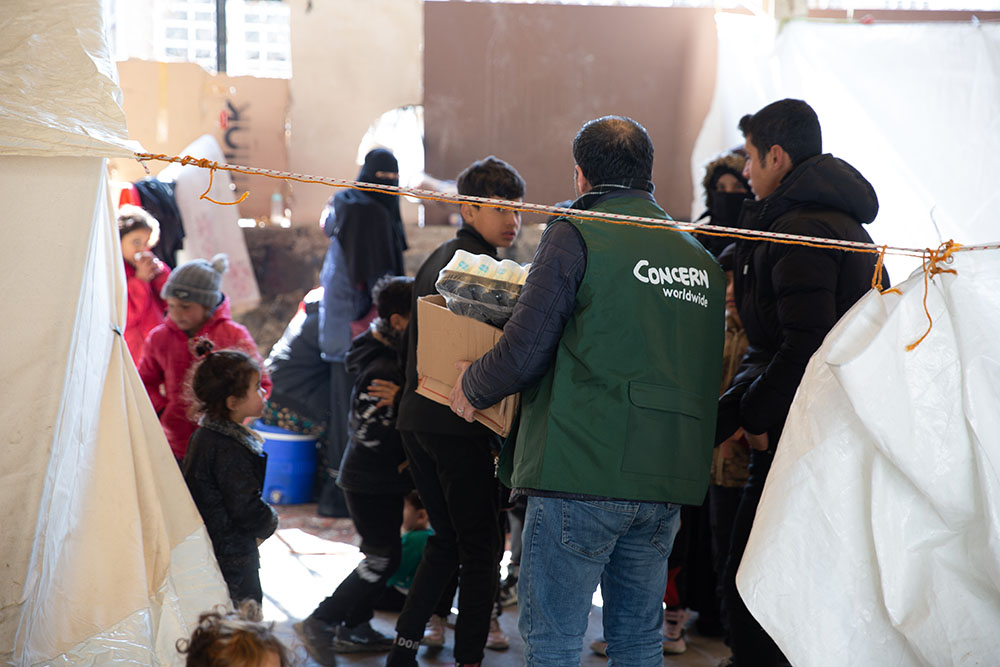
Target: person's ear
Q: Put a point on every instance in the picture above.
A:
(583, 186)
(468, 214)
(778, 159)
(231, 402)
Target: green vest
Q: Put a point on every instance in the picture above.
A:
(627, 409)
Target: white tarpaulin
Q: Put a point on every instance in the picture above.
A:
(104, 556)
(58, 86)
(877, 538)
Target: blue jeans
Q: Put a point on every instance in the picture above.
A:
(571, 546)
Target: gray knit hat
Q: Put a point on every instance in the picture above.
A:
(198, 281)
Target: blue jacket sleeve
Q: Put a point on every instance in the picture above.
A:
(531, 336)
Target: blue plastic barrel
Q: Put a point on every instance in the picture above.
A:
(291, 465)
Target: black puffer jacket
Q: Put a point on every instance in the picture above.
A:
(374, 451)
(790, 296)
(225, 474)
(301, 378)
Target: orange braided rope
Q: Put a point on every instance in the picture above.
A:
(932, 261)
(708, 230)
(877, 276)
(211, 166)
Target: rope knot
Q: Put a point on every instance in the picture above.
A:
(943, 255)
(934, 261)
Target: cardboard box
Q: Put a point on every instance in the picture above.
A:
(444, 338)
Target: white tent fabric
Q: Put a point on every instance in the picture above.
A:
(877, 538)
(104, 554)
(915, 107)
(58, 86)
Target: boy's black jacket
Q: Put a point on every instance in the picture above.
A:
(417, 413)
(371, 462)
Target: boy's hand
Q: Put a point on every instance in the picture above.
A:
(758, 441)
(147, 266)
(385, 391)
(727, 448)
(459, 403)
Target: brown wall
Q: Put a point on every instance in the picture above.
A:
(518, 81)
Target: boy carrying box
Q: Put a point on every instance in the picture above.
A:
(452, 461)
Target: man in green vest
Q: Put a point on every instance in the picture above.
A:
(616, 347)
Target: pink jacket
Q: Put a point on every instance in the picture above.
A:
(167, 356)
(145, 308)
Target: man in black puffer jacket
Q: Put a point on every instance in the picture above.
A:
(789, 297)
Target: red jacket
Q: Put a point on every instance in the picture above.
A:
(167, 356)
(145, 308)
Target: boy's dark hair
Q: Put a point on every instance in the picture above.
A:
(393, 295)
(614, 150)
(132, 218)
(413, 497)
(791, 124)
(218, 376)
(491, 177)
(233, 638)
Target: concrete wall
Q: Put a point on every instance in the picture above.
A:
(351, 62)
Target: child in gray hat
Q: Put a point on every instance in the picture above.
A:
(196, 309)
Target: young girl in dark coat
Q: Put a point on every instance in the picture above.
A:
(225, 463)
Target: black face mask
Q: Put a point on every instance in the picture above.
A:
(725, 207)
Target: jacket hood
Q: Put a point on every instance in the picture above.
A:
(824, 181)
(726, 163)
(364, 349)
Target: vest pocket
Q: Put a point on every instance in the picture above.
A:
(665, 432)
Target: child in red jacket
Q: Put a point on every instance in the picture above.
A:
(196, 309)
(145, 276)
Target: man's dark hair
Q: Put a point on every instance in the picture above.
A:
(791, 124)
(614, 149)
(393, 295)
(491, 177)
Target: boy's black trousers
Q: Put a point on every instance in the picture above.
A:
(455, 478)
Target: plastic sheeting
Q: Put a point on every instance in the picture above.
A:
(101, 532)
(59, 90)
(877, 538)
(104, 556)
(915, 107)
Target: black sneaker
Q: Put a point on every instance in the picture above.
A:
(508, 591)
(360, 639)
(317, 636)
